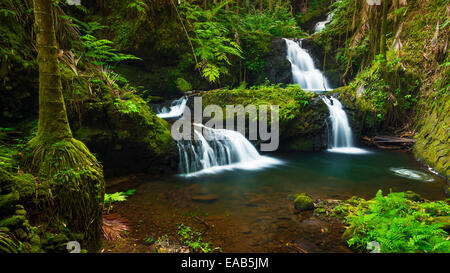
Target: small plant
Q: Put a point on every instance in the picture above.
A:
(193, 239)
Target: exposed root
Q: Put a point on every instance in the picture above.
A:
(114, 227)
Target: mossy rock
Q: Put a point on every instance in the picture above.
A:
(128, 137)
(444, 220)
(302, 114)
(348, 233)
(13, 221)
(410, 195)
(303, 202)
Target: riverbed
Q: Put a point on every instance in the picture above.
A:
(243, 210)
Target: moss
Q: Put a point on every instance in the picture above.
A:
(7, 201)
(13, 221)
(76, 181)
(433, 146)
(348, 233)
(183, 85)
(414, 196)
(320, 210)
(127, 140)
(303, 202)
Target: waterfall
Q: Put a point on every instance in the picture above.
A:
(304, 73)
(311, 79)
(224, 149)
(175, 110)
(341, 139)
(321, 25)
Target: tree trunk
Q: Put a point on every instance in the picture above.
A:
(384, 29)
(74, 174)
(53, 123)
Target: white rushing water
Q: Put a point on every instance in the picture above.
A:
(311, 79)
(304, 73)
(412, 174)
(224, 150)
(341, 133)
(176, 109)
(322, 24)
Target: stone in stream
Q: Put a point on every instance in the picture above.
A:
(246, 230)
(205, 198)
(303, 202)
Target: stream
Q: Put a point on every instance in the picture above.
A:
(249, 210)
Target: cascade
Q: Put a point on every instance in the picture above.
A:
(214, 150)
(175, 110)
(304, 73)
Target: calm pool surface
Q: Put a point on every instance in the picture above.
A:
(248, 210)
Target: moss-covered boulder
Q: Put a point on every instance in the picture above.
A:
(302, 115)
(127, 136)
(16, 233)
(303, 202)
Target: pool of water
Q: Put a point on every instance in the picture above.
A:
(248, 210)
(329, 175)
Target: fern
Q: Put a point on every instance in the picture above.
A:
(398, 225)
(210, 39)
(117, 197)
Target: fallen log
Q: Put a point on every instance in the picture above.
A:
(389, 142)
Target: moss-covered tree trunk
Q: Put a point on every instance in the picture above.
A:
(75, 176)
(53, 124)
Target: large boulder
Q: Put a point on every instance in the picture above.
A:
(303, 115)
(127, 141)
(433, 140)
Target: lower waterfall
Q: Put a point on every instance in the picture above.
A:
(341, 139)
(224, 149)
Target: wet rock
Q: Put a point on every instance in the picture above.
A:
(278, 68)
(125, 142)
(303, 202)
(317, 53)
(447, 191)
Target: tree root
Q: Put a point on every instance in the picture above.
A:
(76, 183)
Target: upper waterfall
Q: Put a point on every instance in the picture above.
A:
(321, 25)
(176, 109)
(304, 73)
